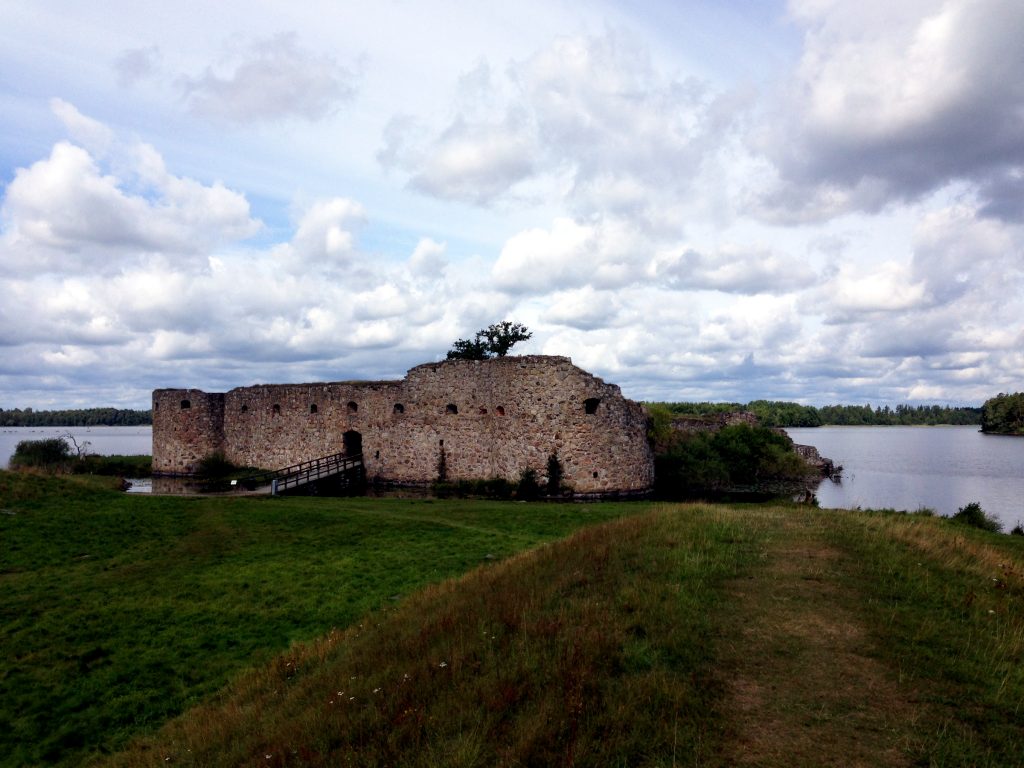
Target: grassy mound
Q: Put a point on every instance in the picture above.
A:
(393, 632)
(119, 611)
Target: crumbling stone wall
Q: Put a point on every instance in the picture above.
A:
(491, 418)
(188, 425)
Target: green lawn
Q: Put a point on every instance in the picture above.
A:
(118, 611)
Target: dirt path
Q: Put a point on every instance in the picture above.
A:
(804, 686)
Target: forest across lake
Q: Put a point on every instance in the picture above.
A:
(782, 413)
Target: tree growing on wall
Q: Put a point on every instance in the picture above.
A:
(493, 341)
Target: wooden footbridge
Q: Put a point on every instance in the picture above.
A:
(328, 475)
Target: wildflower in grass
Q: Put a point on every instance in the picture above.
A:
(443, 664)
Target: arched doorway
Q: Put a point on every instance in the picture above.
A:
(352, 442)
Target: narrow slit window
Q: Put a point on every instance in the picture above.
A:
(312, 408)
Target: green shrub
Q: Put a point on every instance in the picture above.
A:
(115, 466)
(973, 515)
(737, 457)
(53, 452)
(554, 475)
(215, 465)
(1018, 530)
(528, 488)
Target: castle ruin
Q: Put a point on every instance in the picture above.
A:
(463, 419)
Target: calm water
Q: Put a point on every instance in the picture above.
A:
(106, 441)
(942, 468)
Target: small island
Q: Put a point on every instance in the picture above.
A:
(1003, 415)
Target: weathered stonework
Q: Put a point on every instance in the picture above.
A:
(490, 418)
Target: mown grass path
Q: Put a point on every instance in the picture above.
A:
(804, 682)
(872, 639)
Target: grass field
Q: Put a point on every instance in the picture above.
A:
(328, 632)
(118, 611)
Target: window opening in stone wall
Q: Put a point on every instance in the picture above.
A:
(500, 410)
(312, 407)
(440, 442)
(483, 411)
(590, 404)
(277, 409)
(399, 408)
(156, 406)
(186, 404)
(352, 443)
(451, 408)
(245, 409)
(595, 475)
(376, 454)
(352, 406)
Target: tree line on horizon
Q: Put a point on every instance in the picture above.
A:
(75, 417)
(779, 413)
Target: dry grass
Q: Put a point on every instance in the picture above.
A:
(948, 601)
(695, 635)
(590, 651)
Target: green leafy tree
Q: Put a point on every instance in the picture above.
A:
(493, 341)
(1003, 414)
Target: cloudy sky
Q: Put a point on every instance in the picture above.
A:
(820, 200)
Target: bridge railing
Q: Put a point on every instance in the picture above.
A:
(301, 473)
(315, 469)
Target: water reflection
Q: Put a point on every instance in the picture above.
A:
(180, 486)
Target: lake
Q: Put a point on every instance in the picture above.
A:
(907, 468)
(106, 441)
(943, 468)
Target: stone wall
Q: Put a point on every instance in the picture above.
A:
(713, 422)
(491, 418)
(188, 424)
